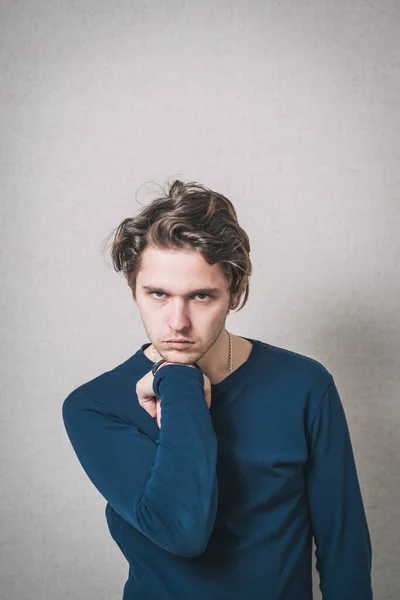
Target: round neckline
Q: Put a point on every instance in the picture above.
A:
(229, 379)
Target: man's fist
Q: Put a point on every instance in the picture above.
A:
(151, 403)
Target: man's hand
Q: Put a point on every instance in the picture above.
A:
(151, 403)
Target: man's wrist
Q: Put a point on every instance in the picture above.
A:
(164, 363)
(157, 365)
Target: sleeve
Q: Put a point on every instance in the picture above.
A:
(340, 529)
(166, 489)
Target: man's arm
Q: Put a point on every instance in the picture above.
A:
(166, 489)
(343, 545)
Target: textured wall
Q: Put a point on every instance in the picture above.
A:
(291, 109)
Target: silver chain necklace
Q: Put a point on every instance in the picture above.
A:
(230, 354)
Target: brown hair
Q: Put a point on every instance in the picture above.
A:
(187, 215)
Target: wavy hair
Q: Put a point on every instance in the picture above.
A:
(187, 215)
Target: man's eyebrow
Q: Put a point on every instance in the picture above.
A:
(206, 290)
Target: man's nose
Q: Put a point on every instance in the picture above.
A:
(179, 316)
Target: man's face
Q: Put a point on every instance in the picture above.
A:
(175, 301)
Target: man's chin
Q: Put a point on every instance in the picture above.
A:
(178, 358)
(184, 358)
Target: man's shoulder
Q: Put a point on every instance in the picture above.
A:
(299, 380)
(112, 390)
(293, 366)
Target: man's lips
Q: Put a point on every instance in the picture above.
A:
(179, 342)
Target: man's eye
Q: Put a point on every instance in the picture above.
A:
(208, 295)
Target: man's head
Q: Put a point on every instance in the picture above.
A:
(186, 260)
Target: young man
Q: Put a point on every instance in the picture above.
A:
(220, 456)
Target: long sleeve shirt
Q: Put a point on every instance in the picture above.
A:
(223, 503)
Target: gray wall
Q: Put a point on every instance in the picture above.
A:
(291, 109)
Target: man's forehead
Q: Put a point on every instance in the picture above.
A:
(189, 277)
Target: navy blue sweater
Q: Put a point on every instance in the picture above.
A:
(222, 504)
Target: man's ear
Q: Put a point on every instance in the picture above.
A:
(236, 300)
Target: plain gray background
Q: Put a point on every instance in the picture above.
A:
(292, 110)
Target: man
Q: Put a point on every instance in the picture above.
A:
(220, 456)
